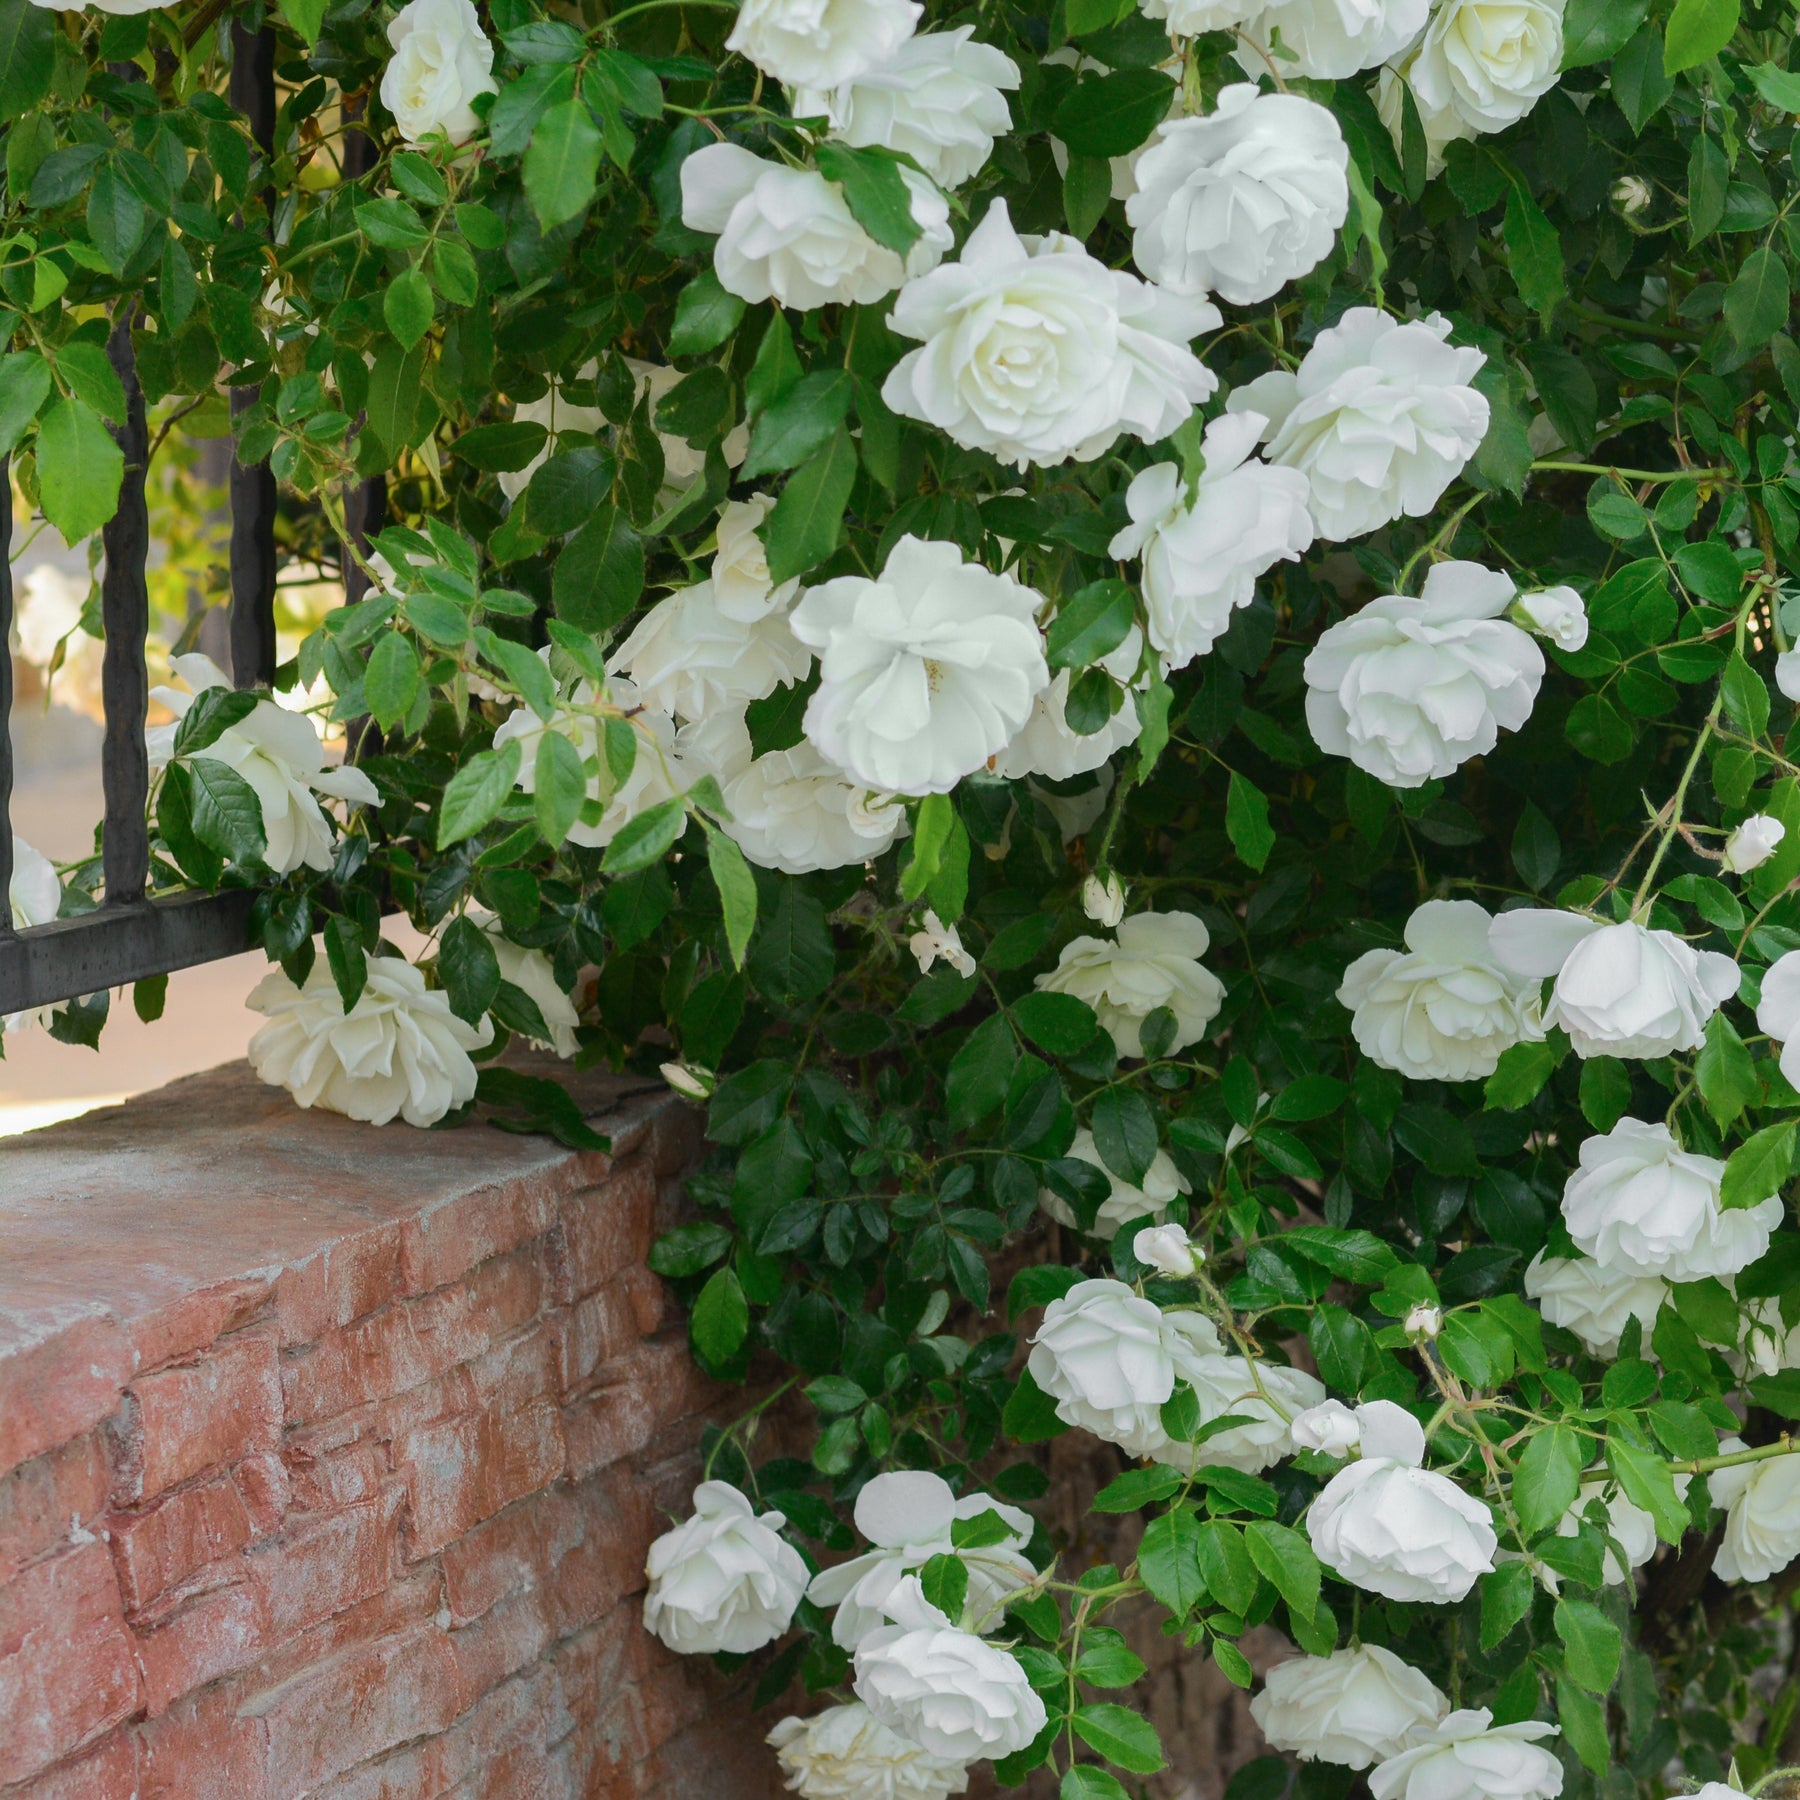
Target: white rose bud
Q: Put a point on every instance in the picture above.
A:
(1593, 1300)
(1556, 613)
(742, 588)
(1621, 990)
(1639, 1201)
(442, 60)
(1762, 1514)
(723, 1580)
(1753, 843)
(1631, 194)
(1469, 1757)
(944, 1689)
(1103, 900)
(843, 1753)
(689, 1082)
(1102, 1354)
(818, 43)
(1169, 1250)
(1154, 962)
(1331, 1428)
(1243, 200)
(1424, 1322)
(1410, 689)
(1354, 1707)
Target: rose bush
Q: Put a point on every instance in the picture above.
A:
(1150, 646)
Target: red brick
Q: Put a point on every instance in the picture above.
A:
(451, 1236)
(605, 1229)
(321, 1566)
(57, 1380)
(178, 1422)
(66, 1671)
(185, 1327)
(341, 1281)
(45, 1501)
(505, 1555)
(411, 1603)
(175, 1539)
(108, 1773)
(656, 1384)
(201, 1750)
(603, 1326)
(501, 1642)
(606, 1562)
(466, 1469)
(212, 1635)
(262, 1483)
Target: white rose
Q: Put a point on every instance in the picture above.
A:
(1169, 1250)
(1769, 1344)
(1778, 1008)
(1388, 1526)
(531, 972)
(1754, 841)
(1621, 990)
(441, 61)
(925, 672)
(1481, 66)
(1267, 1396)
(935, 940)
(945, 1689)
(1639, 1201)
(1103, 1355)
(938, 99)
(742, 587)
(909, 1515)
(48, 620)
(1379, 417)
(1411, 689)
(1046, 744)
(1331, 1428)
(1162, 1183)
(279, 754)
(1201, 559)
(1442, 1010)
(1594, 1300)
(1556, 613)
(724, 1579)
(1036, 352)
(1243, 200)
(34, 897)
(842, 1753)
(1424, 1321)
(648, 784)
(1154, 961)
(688, 657)
(1630, 1530)
(1469, 1757)
(788, 234)
(1761, 1501)
(1787, 674)
(1330, 39)
(1103, 900)
(795, 811)
(1189, 18)
(399, 1051)
(1354, 1707)
(819, 43)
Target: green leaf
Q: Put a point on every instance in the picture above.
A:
(1605, 1091)
(981, 1072)
(721, 1318)
(562, 163)
(1594, 30)
(1547, 1478)
(1506, 1596)
(1169, 1561)
(1030, 1415)
(1226, 1565)
(1583, 1722)
(1124, 1130)
(1756, 1169)
(1725, 1072)
(227, 815)
(1286, 1557)
(1536, 849)
(1110, 115)
(1086, 189)
(1090, 624)
(116, 219)
(1639, 84)
(1534, 253)
(931, 832)
(600, 574)
(1082, 1781)
(705, 316)
(1647, 1482)
(775, 370)
(874, 190)
(346, 958)
(27, 56)
(407, 305)
(647, 838)
(560, 784)
(737, 892)
(808, 518)
(1698, 30)
(1059, 1024)
(391, 681)
(1107, 1664)
(80, 469)
(792, 958)
(306, 16)
(945, 1580)
(469, 968)
(798, 423)
(1519, 1076)
(476, 792)
(1758, 302)
(1591, 1644)
(1780, 87)
(1123, 1737)
(25, 385)
(1247, 822)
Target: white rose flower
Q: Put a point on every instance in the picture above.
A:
(1267, 1396)
(688, 657)
(1481, 66)
(647, 785)
(1769, 1344)
(842, 1753)
(1189, 18)
(724, 1579)
(789, 235)
(1379, 417)
(441, 61)
(1354, 1707)
(1036, 352)
(34, 897)
(742, 588)
(1556, 613)
(1778, 1009)
(1331, 1428)
(1469, 1757)
(1391, 1527)
(945, 1689)
(1621, 990)
(1787, 674)
(1330, 39)
(939, 99)
(1048, 745)
(1594, 1300)
(1410, 689)
(47, 618)
(909, 1515)
(399, 1051)
(1153, 961)
(279, 754)
(935, 940)
(530, 971)
(1442, 1010)
(793, 810)
(1169, 1250)
(1162, 1183)
(1201, 559)
(820, 43)
(1629, 1528)
(925, 672)
(1639, 1201)
(1753, 842)
(1243, 200)
(1103, 1355)
(1761, 1501)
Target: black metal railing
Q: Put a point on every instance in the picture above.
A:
(130, 936)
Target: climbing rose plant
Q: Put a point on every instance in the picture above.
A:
(1149, 645)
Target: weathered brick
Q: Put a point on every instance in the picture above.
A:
(605, 1325)
(214, 1634)
(178, 1422)
(201, 1750)
(340, 1281)
(451, 1236)
(176, 1538)
(108, 1773)
(652, 1386)
(183, 1328)
(262, 1483)
(504, 1555)
(606, 1229)
(66, 1669)
(413, 1601)
(320, 1566)
(322, 1480)
(504, 1640)
(466, 1469)
(44, 1502)
(59, 1378)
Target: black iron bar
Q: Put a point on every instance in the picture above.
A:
(6, 699)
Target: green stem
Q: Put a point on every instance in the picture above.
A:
(1656, 475)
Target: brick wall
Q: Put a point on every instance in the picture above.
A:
(329, 1457)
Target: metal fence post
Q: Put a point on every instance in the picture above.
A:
(6, 697)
